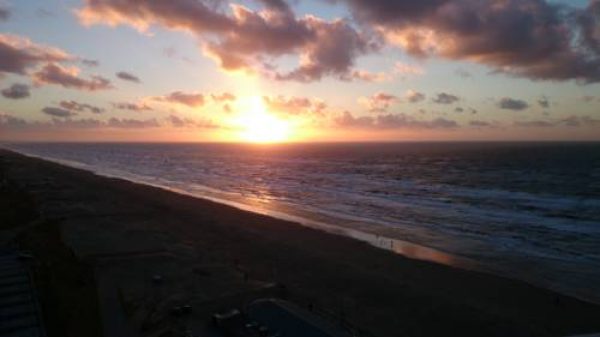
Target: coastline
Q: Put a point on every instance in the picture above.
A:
(395, 245)
(377, 234)
(379, 285)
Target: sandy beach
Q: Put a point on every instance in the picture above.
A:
(121, 235)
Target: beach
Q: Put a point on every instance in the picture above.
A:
(217, 256)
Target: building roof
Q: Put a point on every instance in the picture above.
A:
(290, 320)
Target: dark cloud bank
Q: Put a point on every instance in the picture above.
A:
(529, 38)
(62, 120)
(246, 39)
(44, 64)
(392, 121)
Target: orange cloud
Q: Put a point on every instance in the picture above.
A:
(18, 54)
(294, 105)
(378, 102)
(68, 77)
(245, 39)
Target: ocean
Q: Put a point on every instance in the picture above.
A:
(529, 211)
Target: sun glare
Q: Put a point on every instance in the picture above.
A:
(257, 125)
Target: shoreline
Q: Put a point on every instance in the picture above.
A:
(367, 235)
(402, 247)
(380, 291)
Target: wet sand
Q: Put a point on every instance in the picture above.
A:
(372, 289)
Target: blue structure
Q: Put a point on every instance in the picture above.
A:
(19, 309)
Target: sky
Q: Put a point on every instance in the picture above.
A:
(299, 70)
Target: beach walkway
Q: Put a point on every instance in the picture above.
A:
(19, 307)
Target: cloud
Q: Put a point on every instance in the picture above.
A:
(577, 121)
(227, 108)
(480, 124)
(367, 76)
(347, 120)
(128, 123)
(4, 13)
(69, 124)
(90, 123)
(65, 123)
(80, 107)
(9, 122)
(589, 21)
(407, 69)
(90, 63)
(68, 77)
(128, 77)
(536, 39)
(570, 121)
(507, 103)
(16, 91)
(179, 122)
(58, 112)
(190, 99)
(391, 121)
(139, 106)
(294, 105)
(444, 98)
(414, 96)
(463, 73)
(588, 98)
(224, 97)
(194, 16)
(404, 121)
(245, 39)
(534, 124)
(379, 102)
(331, 52)
(19, 54)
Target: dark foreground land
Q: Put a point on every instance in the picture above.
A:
(113, 258)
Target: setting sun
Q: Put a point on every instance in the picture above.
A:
(258, 125)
